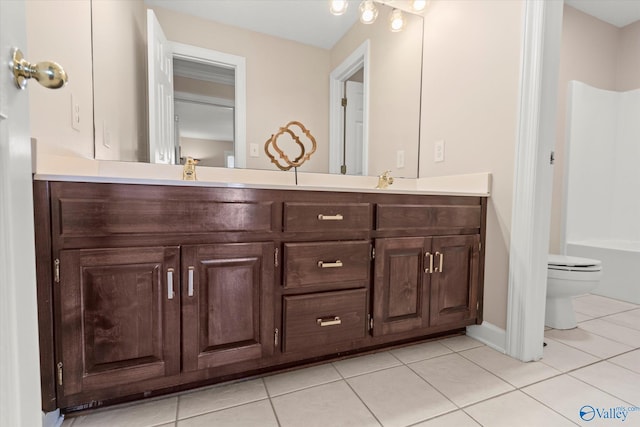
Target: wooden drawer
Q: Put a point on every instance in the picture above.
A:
(320, 320)
(402, 217)
(326, 216)
(326, 263)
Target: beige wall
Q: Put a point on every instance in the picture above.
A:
(69, 45)
(120, 68)
(469, 99)
(603, 56)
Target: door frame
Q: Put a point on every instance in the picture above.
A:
(360, 57)
(531, 209)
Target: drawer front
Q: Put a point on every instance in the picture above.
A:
(326, 216)
(326, 263)
(401, 217)
(319, 320)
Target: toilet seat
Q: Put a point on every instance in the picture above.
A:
(571, 263)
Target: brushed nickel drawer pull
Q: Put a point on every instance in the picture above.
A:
(170, 283)
(429, 269)
(337, 217)
(336, 264)
(190, 281)
(329, 321)
(441, 255)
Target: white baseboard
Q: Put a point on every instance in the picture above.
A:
(489, 334)
(52, 419)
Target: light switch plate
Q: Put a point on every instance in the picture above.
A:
(400, 159)
(253, 150)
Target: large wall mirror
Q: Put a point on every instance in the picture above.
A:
(224, 118)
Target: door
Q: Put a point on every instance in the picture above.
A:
(162, 144)
(19, 362)
(454, 281)
(354, 131)
(401, 293)
(227, 314)
(119, 319)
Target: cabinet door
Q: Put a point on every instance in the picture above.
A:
(401, 294)
(227, 304)
(119, 322)
(454, 282)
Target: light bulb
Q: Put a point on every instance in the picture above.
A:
(397, 21)
(368, 12)
(418, 5)
(338, 7)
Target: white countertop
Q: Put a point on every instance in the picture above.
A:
(61, 168)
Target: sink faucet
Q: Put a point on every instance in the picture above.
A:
(189, 171)
(385, 180)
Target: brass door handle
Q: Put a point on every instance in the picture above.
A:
(336, 264)
(329, 321)
(49, 74)
(337, 217)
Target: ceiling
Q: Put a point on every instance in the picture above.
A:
(304, 21)
(616, 12)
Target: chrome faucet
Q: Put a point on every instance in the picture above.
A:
(189, 171)
(385, 180)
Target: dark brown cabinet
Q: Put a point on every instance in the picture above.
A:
(119, 318)
(153, 289)
(421, 282)
(227, 304)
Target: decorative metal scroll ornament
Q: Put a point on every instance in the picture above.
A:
(279, 157)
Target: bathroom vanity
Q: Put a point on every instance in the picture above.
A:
(148, 289)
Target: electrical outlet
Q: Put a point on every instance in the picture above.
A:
(75, 114)
(400, 159)
(438, 151)
(254, 150)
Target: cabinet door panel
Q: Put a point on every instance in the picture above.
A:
(401, 293)
(229, 316)
(117, 325)
(454, 289)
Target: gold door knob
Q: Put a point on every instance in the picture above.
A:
(49, 74)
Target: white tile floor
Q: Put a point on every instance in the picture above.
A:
(451, 382)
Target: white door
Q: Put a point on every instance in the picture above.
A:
(19, 353)
(162, 144)
(354, 136)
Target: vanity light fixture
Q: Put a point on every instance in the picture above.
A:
(368, 12)
(338, 7)
(418, 5)
(397, 21)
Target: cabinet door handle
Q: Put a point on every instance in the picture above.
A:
(441, 255)
(336, 264)
(328, 321)
(190, 282)
(170, 292)
(337, 217)
(429, 269)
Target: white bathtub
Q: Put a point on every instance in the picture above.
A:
(620, 266)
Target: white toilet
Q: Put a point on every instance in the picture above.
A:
(568, 277)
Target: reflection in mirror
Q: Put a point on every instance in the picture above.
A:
(285, 80)
(204, 112)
